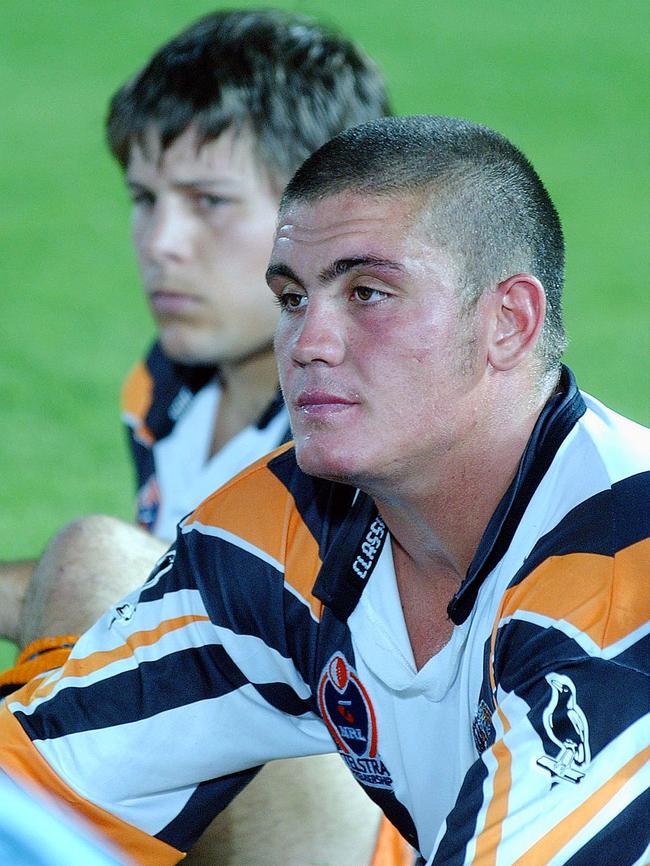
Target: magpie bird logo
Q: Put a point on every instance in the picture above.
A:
(566, 725)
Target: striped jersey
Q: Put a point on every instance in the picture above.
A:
(273, 628)
(170, 411)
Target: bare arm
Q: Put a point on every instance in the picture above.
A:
(85, 568)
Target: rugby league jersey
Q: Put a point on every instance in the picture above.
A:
(170, 410)
(273, 628)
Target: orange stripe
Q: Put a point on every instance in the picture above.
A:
(25, 765)
(136, 399)
(604, 597)
(137, 391)
(490, 836)
(391, 849)
(549, 845)
(258, 508)
(81, 667)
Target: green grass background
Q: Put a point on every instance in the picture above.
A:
(567, 82)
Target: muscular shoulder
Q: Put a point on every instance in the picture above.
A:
(583, 586)
(275, 513)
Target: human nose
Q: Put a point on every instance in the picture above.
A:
(169, 235)
(319, 336)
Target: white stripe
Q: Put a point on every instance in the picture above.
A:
(258, 662)
(572, 631)
(535, 808)
(492, 765)
(145, 771)
(632, 789)
(231, 538)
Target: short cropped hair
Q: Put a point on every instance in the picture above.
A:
(294, 82)
(481, 198)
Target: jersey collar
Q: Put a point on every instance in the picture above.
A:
(553, 426)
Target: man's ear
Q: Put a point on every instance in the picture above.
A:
(519, 309)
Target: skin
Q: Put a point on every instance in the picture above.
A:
(394, 388)
(202, 228)
(348, 343)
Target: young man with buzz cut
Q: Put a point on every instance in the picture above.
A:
(444, 579)
(208, 132)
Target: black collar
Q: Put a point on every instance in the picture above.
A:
(173, 386)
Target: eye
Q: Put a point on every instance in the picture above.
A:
(291, 300)
(366, 294)
(209, 200)
(142, 197)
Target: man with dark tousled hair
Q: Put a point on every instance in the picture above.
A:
(207, 133)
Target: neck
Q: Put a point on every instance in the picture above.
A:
(248, 387)
(256, 373)
(439, 517)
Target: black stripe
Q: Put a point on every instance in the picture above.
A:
(611, 696)
(204, 805)
(461, 821)
(396, 812)
(322, 505)
(636, 657)
(175, 680)
(283, 698)
(169, 379)
(247, 595)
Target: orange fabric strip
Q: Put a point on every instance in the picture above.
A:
(579, 588)
(553, 842)
(391, 849)
(490, 837)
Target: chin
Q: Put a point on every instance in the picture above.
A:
(185, 350)
(325, 463)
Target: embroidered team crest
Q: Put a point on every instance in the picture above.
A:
(350, 717)
(482, 728)
(566, 725)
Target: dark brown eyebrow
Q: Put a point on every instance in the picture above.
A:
(336, 269)
(195, 183)
(281, 270)
(342, 266)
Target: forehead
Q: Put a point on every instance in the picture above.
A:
(313, 236)
(233, 154)
(344, 219)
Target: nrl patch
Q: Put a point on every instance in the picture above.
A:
(566, 725)
(350, 717)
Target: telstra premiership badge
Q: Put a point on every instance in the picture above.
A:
(350, 717)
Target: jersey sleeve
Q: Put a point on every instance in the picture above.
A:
(564, 775)
(169, 704)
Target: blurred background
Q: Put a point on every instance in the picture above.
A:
(566, 82)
